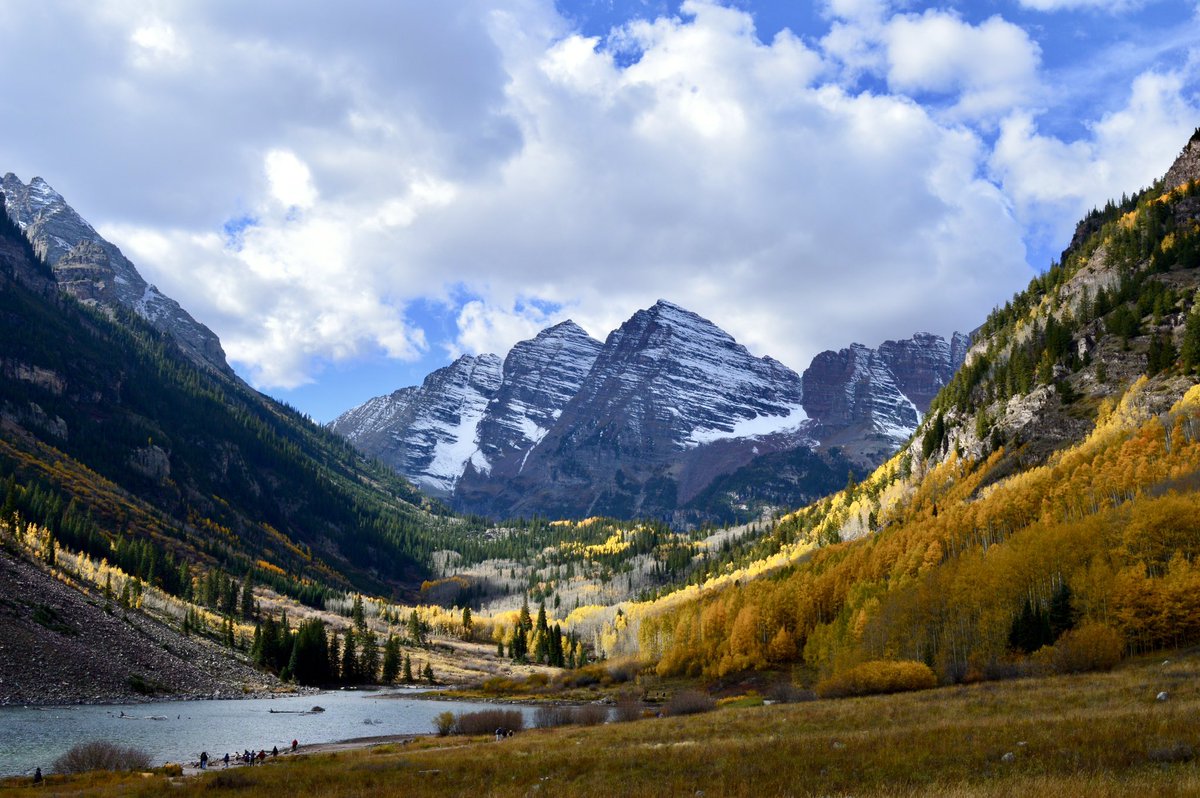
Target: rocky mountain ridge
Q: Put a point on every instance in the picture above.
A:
(95, 272)
(646, 422)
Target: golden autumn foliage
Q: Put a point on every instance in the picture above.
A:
(878, 677)
(1091, 647)
(959, 550)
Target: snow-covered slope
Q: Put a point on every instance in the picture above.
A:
(540, 376)
(95, 272)
(428, 434)
(869, 401)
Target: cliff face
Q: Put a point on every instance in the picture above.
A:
(1187, 165)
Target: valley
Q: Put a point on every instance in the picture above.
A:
(965, 566)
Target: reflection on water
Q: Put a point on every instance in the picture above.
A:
(178, 731)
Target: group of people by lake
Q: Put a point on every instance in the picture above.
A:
(247, 757)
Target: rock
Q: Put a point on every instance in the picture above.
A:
(151, 462)
(1008, 757)
(1187, 166)
(1162, 696)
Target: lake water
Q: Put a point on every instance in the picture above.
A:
(177, 731)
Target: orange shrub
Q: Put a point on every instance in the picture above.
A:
(878, 676)
(1091, 647)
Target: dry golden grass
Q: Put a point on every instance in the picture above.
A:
(1096, 734)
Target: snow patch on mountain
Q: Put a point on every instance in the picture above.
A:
(755, 427)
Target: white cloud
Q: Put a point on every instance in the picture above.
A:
(376, 157)
(289, 179)
(156, 45)
(1054, 182)
(484, 328)
(991, 66)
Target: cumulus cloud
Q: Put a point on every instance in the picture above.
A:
(991, 67)
(1054, 182)
(302, 177)
(974, 71)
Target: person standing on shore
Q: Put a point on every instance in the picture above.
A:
(204, 760)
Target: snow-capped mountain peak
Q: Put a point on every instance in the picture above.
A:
(640, 424)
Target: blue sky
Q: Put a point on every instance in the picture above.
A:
(352, 196)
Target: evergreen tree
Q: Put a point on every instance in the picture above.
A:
(1030, 629)
(1060, 616)
(1190, 350)
(427, 673)
(391, 659)
(416, 632)
(555, 649)
(248, 599)
(934, 437)
(368, 661)
(335, 671)
(468, 623)
(408, 674)
(1161, 354)
(358, 616)
(350, 673)
(309, 662)
(541, 650)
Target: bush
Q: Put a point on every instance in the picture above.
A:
(879, 676)
(498, 684)
(591, 714)
(444, 723)
(628, 708)
(140, 684)
(101, 755)
(488, 720)
(689, 702)
(549, 716)
(236, 779)
(1091, 647)
(784, 692)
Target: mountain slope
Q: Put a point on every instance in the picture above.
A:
(95, 272)
(665, 383)
(109, 431)
(1047, 504)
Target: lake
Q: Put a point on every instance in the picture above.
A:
(177, 731)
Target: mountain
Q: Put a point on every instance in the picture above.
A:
(1042, 518)
(440, 419)
(868, 401)
(658, 421)
(540, 376)
(665, 385)
(94, 271)
(128, 442)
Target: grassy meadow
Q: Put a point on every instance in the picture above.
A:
(1092, 734)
